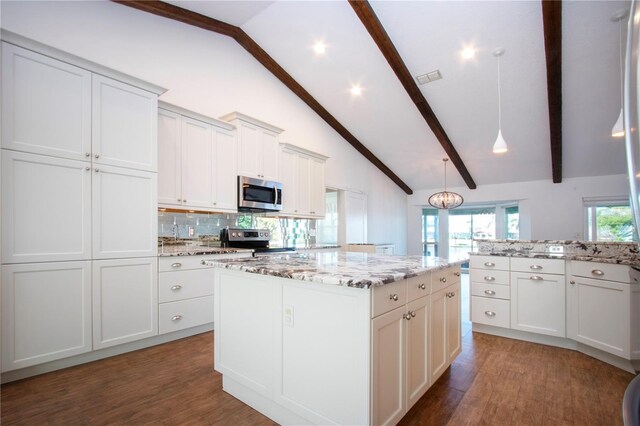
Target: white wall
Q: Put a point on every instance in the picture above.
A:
(210, 74)
(548, 211)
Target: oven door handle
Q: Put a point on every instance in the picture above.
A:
(275, 190)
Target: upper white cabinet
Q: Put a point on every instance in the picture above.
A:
(46, 105)
(302, 176)
(124, 125)
(258, 147)
(197, 161)
(46, 208)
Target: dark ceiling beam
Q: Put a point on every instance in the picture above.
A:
(192, 18)
(552, 21)
(379, 35)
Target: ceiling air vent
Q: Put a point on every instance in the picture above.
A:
(429, 77)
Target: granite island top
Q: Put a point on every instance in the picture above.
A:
(362, 270)
(195, 250)
(618, 260)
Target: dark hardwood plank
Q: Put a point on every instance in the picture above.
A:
(379, 35)
(552, 21)
(192, 18)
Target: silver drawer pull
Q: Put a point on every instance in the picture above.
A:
(490, 314)
(489, 278)
(393, 297)
(490, 292)
(176, 265)
(572, 282)
(535, 267)
(597, 272)
(176, 287)
(176, 318)
(536, 278)
(457, 274)
(443, 280)
(489, 264)
(422, 286)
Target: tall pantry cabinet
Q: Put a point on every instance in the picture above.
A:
(78, 200)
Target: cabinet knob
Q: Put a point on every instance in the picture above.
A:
(97, 170)
(490, 292)
(176, 318)
(406, 316)
(597, 272)
(457, 274)
(489, 264)
(490, 314)
(97, 156)
(572, 282)
(489, 278)
(393, 297)
(176, 287)
(176, 265)
(87, 168)
(215, 204)
(422, 286)
(412, 313)
(179, 199)
(184, 200)
(535, 278)
(87, 154)
(443, 280)
(535, 267)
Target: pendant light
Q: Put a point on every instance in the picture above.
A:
(500, 146)
(444, 199)
(617, 131)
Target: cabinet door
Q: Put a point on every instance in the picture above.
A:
(388, 367)
(46, 105)
(317, 188)
(288, 175)
(454, 322)
(46, 208)
(304, 184)
(438, 351)
(417, 350)
(125, 217)
(356, 214)
(125, 300)
(599, 314)
(197, 155)
(225, 171)
(169, 158)
(124, 125)
(249, 152)
(270, 147)
(538, 303)
(46, 312)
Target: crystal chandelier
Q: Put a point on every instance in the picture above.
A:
(445, 199)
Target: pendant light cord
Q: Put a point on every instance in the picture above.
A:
(499, 99)
(621, 70)
(445, 175)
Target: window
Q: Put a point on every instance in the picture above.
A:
(512, 223)
(328, 227)
(430, 232)
(468, 224)
(609, 220)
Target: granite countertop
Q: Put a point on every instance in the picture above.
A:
(194, 250)
(618, 260)
(361, 270)
(319, 247)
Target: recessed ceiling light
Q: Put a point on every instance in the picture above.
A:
(320, 47)
(356, 90)
(468, 53)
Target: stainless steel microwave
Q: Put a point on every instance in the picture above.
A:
(257, 195)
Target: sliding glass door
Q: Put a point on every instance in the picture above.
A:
(468, 224)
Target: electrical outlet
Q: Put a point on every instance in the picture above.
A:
(556, 250)
(287, 315)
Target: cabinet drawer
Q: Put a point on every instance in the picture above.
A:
(178, 285)
(540, 266)
(492, 291)
(600, 271)
(443, 278)
(180, 263)
(418, 286)
(174, 316)
(494, 312)
(490, 277)
(489, 262)
(389, 296)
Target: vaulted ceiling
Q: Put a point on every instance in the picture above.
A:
(430, 35)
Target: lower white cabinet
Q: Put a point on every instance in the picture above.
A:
(46, 312)
(125, 300)
(417, 350)
(445, 331)
(538, 303)
(181, 314)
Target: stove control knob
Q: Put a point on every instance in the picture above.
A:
(233, 234)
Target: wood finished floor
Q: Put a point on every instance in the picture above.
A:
(493, 381)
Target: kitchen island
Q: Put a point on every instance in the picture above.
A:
(335, 338)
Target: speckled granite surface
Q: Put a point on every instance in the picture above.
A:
(318, 247)
(362, 270)
(194, 250)
(589, 251)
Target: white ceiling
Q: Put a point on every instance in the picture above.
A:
(429, 35)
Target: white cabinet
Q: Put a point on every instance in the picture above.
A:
(454, 322)
(46, 312)
(46, 105)
(302, 176)
(388, 249)
(490, 279)
(46, 208)
(197, 161)
(125, 219)
(124, 125)
(258, 147)
(445, 331)
(538, 297)
(125, 301)
(417, 349)
(600, 304)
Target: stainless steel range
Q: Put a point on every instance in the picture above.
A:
(256, 239)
